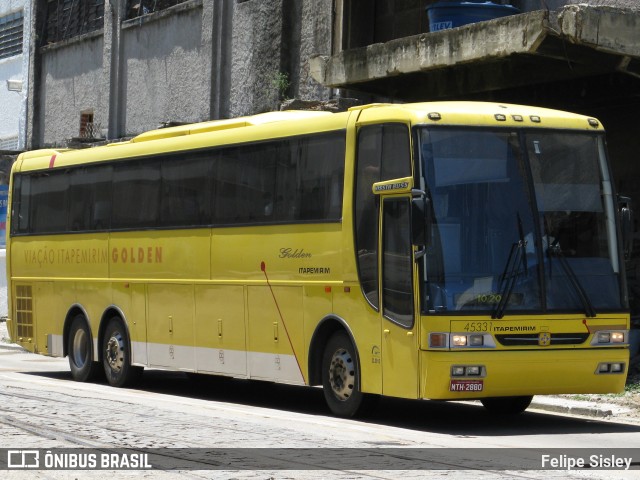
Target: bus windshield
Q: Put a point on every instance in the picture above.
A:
(523, 221)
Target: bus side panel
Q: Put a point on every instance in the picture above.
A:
(220, 330)
(178, 254)
(44, 319)
(170, 326)
(364, 323)
(275, 326)
(318, 304)
(131, 299)
(63, 262)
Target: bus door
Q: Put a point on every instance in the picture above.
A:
(399, 325)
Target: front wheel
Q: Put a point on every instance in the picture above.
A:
(341, 376)
(507, 405)
(80, 349)
(117, 355)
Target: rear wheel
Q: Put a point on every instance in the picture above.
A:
(507, 405)
(80, 350)
(117, 355)
(341, 376)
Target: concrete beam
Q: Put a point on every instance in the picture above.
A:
(607, 30)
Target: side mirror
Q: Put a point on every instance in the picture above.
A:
(420, 219)
(626, 225)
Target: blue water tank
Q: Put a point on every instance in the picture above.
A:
(444, 15)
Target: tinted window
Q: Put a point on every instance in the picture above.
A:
(48, 205)
(186, 190)
(281, 181)
(244, 183)
(383, 154)
(309, 179)
(20, 204)
(90, 198)
(136, 195)
(396, 263)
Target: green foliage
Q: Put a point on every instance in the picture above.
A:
(280, 82)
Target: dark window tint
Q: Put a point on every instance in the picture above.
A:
(136, 195)
(20, 204)
(186, 190)
(396, 158)
(396, 263)
(48, 206)
(297, 179)
(289, 180)
(309, 178)
(90, 198)
(383, 154)
(244, 183)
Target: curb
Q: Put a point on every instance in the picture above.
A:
(578, 407)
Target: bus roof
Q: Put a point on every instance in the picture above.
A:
(290, 123)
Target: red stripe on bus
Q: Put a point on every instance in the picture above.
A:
(52, 161)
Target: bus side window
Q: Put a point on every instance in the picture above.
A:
(135, 183)
(50, 201)
(90, 198)
(20, 207)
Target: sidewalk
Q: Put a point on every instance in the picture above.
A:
(4, 338)
(557, 404)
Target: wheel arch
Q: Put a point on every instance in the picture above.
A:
(321, 335)
(111, 312)
(75, 310)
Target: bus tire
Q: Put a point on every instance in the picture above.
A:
(341, 376)
(80, 350)
(507, 405)
(117, 355)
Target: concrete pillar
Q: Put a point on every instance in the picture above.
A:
(221, 43)
(114, 11)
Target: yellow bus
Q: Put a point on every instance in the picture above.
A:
(450, 251)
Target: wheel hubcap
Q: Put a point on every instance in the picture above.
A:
(115, 352)
(342, 375)
(80, 348)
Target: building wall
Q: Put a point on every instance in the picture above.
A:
(196, 61)
(166, 69)
(316, 30)
(12, 111)
(71, 75)
(10, 69)
(257, 56)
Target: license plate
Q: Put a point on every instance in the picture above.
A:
(466, 385)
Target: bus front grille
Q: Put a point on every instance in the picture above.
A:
(526, 339)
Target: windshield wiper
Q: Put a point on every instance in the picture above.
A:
(512, 270)
(554, 250)
(517, 256)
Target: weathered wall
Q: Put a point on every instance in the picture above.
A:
(315, 36)
(71, 73)
(165, 70)
(12, 103)
(256, 57)
(529, 5)
(10, 69)
(197, 61)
